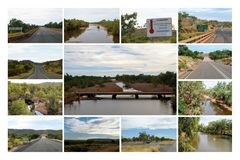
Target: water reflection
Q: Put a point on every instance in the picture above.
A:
(121, 106)
(213, 109)
(94, 33)
(211, 143)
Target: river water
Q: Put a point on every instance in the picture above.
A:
(121, 106)
(213, 109)
(92, 34)
(212, 143)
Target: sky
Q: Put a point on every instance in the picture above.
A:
(159, 126)
(38, 16)
(211, 84)
(209, 48)
(35, 122)
(112, 60)
(206, 120)
(144, 13)
(91, 127)
(220, 14)
(91, 14)
(39, 81)
(35, 53)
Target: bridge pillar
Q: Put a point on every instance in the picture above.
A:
(114, 96)
(159, 96)
(136, 96)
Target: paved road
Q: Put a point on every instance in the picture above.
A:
(39, 73)
(223, 36)
(209, 69)
(43, 35)
(43, 145)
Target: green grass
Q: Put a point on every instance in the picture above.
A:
(140, 36)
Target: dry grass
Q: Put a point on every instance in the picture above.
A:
(141, 148)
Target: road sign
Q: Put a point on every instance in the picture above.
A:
(159, 27)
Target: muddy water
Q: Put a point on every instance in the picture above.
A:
(212, 143)
(213, 109)
(92, 34)
(120, 106)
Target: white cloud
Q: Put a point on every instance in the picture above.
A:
(103, 125)
(36, 81)
(149, 59)
(39, 16)
(146, 13)
(148, 122)
(35, 122)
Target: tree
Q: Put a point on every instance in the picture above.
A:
(18, 107)
(129, 21)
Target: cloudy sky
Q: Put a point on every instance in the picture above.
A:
(39, 81)
(220, 14)
(209, 48)
(211, 84)
(35, 53)
(35, 122)
(91, 14)
(91, 127)
(144, 13)
(159, 126)
(111, 60)
(206, 120)
(38, 16)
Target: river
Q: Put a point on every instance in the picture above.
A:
(213, 109)
(92, 34)
(121, 106)
(212, 143)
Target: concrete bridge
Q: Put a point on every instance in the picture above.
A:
(114, 94)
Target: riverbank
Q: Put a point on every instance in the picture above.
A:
(219, 102)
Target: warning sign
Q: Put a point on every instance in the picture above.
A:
(159, 27)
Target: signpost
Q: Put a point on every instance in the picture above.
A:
(159, 27)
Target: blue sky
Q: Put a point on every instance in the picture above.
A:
(206, 120)
(111, 60)
(34, 122)
(159, 126)
(220, 14)
(35, 53)
(91, 14)
(208, 48)
(39, 16)
(91, 127)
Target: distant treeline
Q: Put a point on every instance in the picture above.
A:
(112, 26)
(72, 24)
(84, 81)
(53, 25)
(50, 94)
(18, 67)
(219, 127)
(144, 137)
(18, 23)
(168, 78)
(183, 50)
(220, 54)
